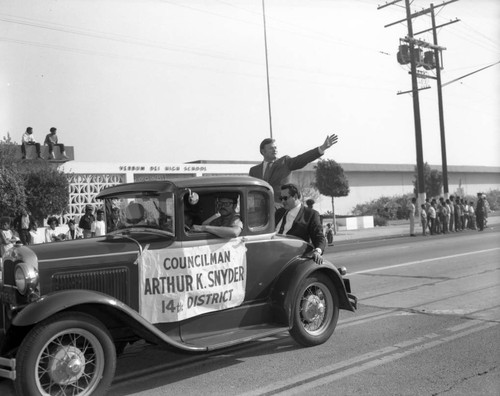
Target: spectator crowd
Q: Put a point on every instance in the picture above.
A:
(454, 214)
(24, 229)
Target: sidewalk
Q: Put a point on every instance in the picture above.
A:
(391, 231)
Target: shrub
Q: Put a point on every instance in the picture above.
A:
(390, 208)
(379, 221)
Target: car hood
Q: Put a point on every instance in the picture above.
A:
(99, 247)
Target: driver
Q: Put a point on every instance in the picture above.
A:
(225, 223)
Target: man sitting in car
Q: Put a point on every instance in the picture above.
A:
(225, 223)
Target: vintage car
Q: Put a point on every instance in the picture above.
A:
(68, 309)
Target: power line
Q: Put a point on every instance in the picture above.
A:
(470, 74)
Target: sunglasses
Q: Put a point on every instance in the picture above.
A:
(284, 198)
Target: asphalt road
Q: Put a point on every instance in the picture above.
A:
(428, 324)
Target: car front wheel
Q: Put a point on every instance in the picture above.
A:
(315, 311)
(67, 354)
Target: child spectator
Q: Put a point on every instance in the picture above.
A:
(329, 234)
(73, 232)
(51, 233)
(35, 236)
(98, 227)
(7, 237)
(423, 219)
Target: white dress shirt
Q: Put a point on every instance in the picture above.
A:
(290, 218)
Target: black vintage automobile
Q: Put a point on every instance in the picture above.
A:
(68, 309)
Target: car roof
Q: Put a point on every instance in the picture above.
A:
(180, 183)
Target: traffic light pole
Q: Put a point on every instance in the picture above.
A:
(416, 104)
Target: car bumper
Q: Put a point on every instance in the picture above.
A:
(353, 300)
(7, 368)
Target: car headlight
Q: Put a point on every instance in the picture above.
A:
(26, 277)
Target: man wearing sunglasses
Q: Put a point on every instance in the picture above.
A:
(225, 223)
(276, 171)
(300, 221)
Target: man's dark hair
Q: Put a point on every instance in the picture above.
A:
(310, 202)
(264, 142)
(293, 190)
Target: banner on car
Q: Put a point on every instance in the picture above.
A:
(179, 283)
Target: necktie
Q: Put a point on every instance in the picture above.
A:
(283, 222)
(267, 171)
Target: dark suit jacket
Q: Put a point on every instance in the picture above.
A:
(307, 226)
(281, 169)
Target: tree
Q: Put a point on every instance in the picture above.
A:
(47, 191)
(7, 152)
(36, 186)
(433, 180)
(12, 193)
(331, 181)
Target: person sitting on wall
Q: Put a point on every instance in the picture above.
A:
(29, 140)
(52, 140)
(225, 223)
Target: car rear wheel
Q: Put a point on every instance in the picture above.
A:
(316, 310)
(67, 354)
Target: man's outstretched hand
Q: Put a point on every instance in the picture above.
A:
(329, 142)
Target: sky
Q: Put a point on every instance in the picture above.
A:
(170, 81)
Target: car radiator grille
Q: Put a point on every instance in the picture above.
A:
(113, 282)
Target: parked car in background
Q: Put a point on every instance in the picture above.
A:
(68, 309)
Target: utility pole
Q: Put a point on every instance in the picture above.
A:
(437, 59)
(267, 72)
(414, 57)
(416, 103)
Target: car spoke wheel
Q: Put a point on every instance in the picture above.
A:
(316, 311)
(69, 354)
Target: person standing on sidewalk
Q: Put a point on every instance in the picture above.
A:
(432, 217)
(411, 210)
(480, 209)
(86, 221)
(450, 201)
(423, 219)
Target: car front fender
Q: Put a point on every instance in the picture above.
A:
(67, 299)
(298, 269)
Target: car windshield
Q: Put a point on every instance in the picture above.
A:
(139, 211)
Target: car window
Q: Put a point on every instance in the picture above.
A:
(140, 211)
(203, 210)
(258, 209)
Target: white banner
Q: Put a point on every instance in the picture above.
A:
(177, 284)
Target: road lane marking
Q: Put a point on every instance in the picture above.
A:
(421, 261)
(367, 318)
(303, 383)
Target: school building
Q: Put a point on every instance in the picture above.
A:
(366, 181)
